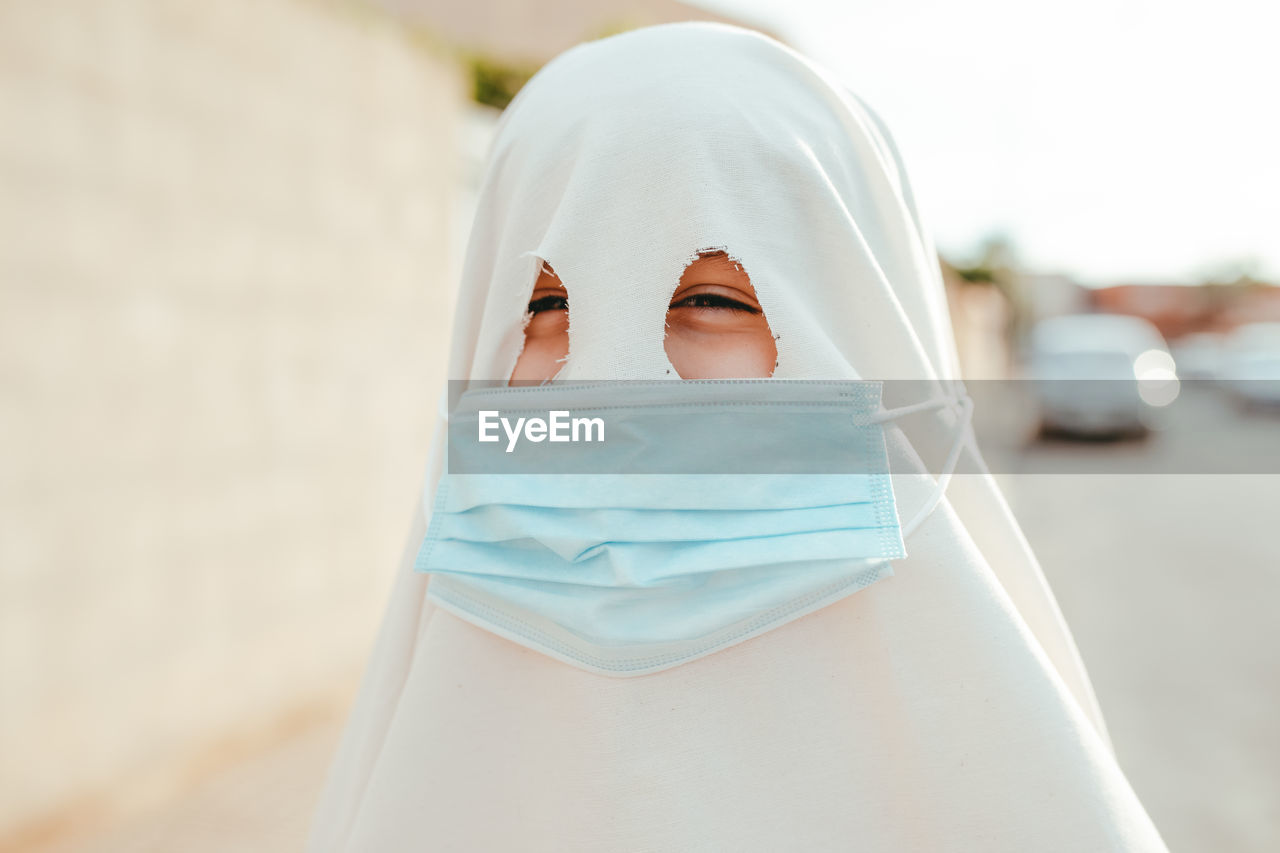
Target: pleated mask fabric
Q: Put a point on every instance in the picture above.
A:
(629, 571)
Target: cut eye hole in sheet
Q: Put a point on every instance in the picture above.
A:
(714, 327)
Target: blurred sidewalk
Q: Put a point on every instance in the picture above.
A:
(263, 803)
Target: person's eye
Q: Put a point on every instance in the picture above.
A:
(713, 300)
(548, 303)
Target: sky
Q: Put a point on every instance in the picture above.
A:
(1116, 140)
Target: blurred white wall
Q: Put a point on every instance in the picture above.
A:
(980, 316)
(227, 236)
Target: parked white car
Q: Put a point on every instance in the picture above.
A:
(1251, 363)
(1100, 374)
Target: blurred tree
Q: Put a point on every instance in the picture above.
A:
(495, 82)
(1227, 288)
(1238, 271)
(996, 264)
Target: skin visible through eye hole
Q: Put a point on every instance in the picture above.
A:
(715, 328)
(546, 337)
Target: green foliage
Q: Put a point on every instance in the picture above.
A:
(997, 265)
(977, 274)
(495, 83)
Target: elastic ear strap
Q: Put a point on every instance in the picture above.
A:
(891, 414)
(964, 403)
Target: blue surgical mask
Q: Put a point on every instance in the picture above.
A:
(686, 516)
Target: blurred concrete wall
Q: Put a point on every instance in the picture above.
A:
(225, 257)
(980, 316)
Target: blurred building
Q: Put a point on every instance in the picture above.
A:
(1051, 295)
(981, 319)
(1178, 310)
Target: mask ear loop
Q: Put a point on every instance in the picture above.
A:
(963, 405)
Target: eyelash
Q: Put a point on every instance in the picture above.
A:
(697, 300)
(548, 303)
(713, 300)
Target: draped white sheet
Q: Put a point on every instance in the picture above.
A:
(943, 708)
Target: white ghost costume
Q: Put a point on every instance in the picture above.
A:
(942, 708)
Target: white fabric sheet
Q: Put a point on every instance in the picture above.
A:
(943, 708)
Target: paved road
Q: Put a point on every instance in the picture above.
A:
(1171, 585)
